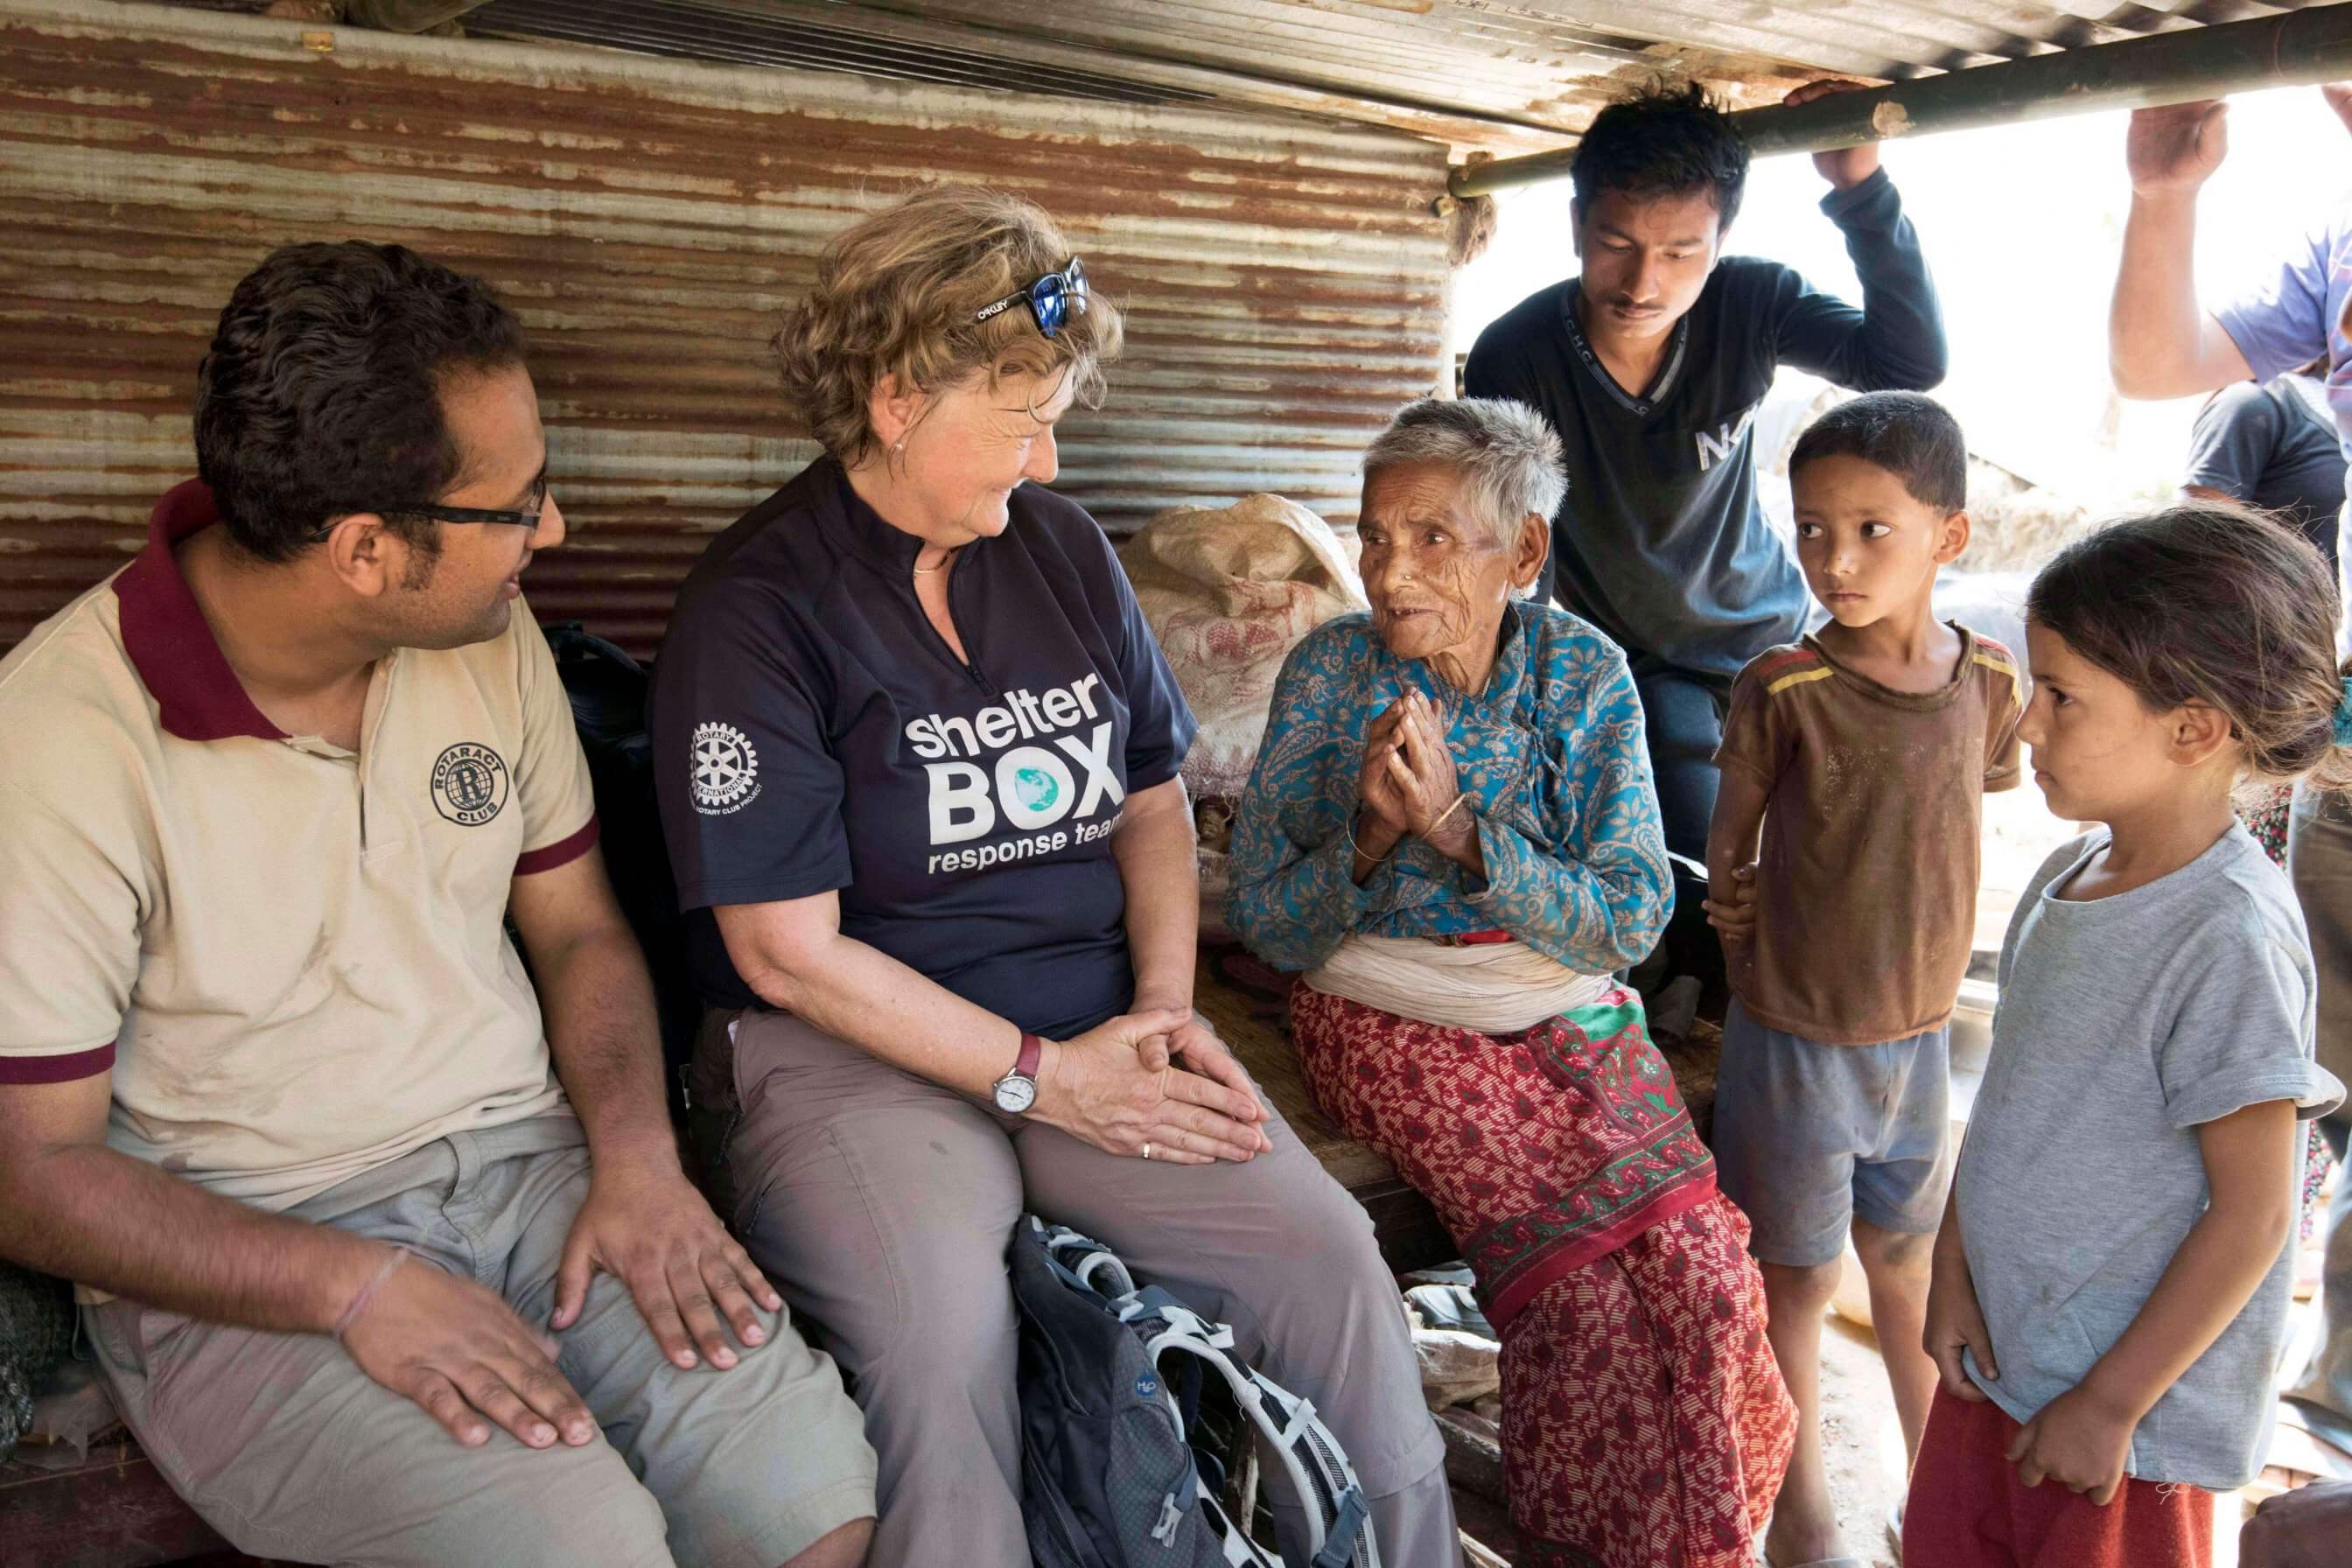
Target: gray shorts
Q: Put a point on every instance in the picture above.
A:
(290, 1451)
(1809, 1138)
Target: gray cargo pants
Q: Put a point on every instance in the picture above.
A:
(881, 1205)
(2319, 858)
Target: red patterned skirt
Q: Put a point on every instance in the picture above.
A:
(1644, 1422)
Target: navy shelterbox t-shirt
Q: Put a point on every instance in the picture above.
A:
(813, 732)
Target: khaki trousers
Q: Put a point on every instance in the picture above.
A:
(289, 1450)
(881, 1205)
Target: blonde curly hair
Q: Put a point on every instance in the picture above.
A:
(895, 294)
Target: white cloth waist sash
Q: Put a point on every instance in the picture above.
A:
(1496, 988)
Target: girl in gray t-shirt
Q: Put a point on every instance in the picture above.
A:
(2112, 1277)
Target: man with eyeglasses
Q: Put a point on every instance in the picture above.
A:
(380, 1263)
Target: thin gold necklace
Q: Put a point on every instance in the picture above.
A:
(927, 571)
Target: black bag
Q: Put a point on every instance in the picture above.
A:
(1112, 1475)
(608, 690)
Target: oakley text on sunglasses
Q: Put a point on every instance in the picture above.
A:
(1052, 299)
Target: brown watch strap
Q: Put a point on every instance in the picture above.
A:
(1033, 1050)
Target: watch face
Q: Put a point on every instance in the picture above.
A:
(1015, 1094)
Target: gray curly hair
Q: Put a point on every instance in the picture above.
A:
(1510, 461)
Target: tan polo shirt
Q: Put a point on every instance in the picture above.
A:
(1866, 883)
(291, 958)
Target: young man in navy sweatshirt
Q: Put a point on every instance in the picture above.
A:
(1650, 362)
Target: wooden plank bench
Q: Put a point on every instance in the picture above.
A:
(110, 1510)
(114, 1511)
(1248, 1004)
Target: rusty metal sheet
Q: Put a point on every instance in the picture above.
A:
(1283, 279)
(1509, 75)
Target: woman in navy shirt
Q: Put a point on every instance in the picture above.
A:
(918, 762)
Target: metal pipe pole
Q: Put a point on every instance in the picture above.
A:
(2297, 49)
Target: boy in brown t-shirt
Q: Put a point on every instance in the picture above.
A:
(1864, 753)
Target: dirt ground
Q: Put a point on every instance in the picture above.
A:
(1861, 1439)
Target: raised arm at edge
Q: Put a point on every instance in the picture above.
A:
(2160, 341)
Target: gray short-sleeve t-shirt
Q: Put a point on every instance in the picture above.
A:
(2126, 1023)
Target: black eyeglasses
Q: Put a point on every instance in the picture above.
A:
(437, 513)
(1053, 299)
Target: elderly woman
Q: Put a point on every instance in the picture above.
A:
(918, 758)
(1452, 831)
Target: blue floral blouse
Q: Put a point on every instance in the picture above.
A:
(1559, 778)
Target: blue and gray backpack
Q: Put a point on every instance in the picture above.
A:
(1113, 1472)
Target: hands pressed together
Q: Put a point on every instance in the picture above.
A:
(1407, 787)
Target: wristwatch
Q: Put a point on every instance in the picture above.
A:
(1016, 1091)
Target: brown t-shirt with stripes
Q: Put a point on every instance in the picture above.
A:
(1866, 884)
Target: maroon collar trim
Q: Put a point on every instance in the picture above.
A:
(197, 694)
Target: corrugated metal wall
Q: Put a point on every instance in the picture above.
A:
(1509, 75)
(1284, 280)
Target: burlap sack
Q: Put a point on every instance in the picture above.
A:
(1228, 590)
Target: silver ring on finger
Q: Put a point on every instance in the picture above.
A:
(1147, 1150)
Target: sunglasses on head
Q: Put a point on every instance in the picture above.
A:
(1053, 299)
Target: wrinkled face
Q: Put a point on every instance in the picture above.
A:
(462, 595)
(1868, 546)
(2098, 751)
(973, 445)
(1644, 262)
(1436, 579)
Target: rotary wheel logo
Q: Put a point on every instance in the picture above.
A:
(726, 769)
(469, 784)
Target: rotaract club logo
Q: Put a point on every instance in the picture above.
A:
(469, 784)
(726, 776)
